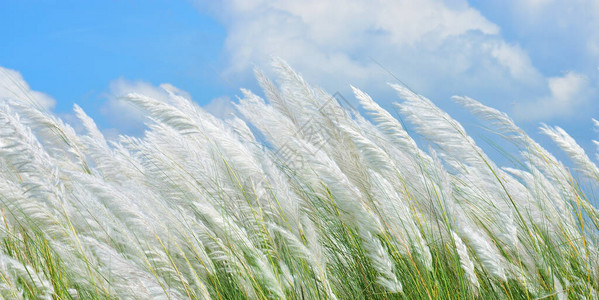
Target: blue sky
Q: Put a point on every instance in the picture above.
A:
(537, 60)
(73, 50)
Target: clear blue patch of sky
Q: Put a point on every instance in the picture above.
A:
(71, 50)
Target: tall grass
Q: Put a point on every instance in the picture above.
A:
(325, 204)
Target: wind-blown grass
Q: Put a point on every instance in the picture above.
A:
(326, 204)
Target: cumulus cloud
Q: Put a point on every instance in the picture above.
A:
(568, 94)
(331, 31)
(438, 48)
(14, 87)
(515, 60)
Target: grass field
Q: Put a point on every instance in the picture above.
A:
(302, 199)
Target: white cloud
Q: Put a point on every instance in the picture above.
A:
(331, 32)
(221, 107)
(562, 37)
(515, 60)
(568, 94)
(564, 89)
(14, 87)
(439, 48)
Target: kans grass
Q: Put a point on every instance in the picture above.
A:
(301, 199)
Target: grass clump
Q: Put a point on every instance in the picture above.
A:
(326, 204)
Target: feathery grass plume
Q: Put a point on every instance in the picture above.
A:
(465, 261)
(387, 123)
(114, 163)
(296, 198)
(547, 168)
(539, 159)
(573, 150)
(299, 98)
(484, 189)
(13, 274)
(59, 138)
(398, 220)
(536, 155)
